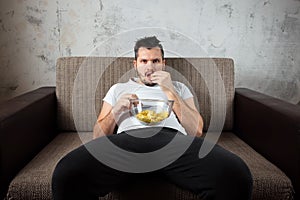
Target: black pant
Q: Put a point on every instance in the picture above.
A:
(219, 175)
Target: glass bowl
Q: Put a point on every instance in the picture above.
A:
(151, 111)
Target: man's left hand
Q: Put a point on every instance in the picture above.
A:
(163, 79)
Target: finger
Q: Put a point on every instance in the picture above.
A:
(134, 96)
(156, 78)
(160, 73)
(154, 75)
(129, 96)
(154, 81)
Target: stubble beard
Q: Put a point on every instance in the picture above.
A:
(147, 83)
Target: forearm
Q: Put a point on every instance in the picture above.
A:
(189, 118)
(104, 126)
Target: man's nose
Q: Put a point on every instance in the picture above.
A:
(150, 64)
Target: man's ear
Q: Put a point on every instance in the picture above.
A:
(164, 64)
(134, 64)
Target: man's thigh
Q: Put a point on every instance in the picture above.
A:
(216, 175)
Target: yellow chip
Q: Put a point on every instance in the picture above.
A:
(150, 116)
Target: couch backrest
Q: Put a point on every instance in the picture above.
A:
(82, 82)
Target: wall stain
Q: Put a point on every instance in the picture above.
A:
(229, 9)
(297, 11)
(34, 9)
(50, 63)
(59, 25)
(69, 51)
(98, 22)
(44, 59)
(252, 16)
(267, 2)
(289, 24)
(11, 13)
(108, 27)
(13, 87)
(2, 26)
(174, 36)
(95, 41)
(33, 20)
(112, 23)
(58, 18)
(101, 4)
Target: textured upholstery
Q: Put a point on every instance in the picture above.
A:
(82, 83)
(22, 133)
(80, 101)
(34, 181)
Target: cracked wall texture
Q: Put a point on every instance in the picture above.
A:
(263, 37)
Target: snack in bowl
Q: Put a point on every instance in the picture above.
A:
(151, 111)
(150, 116)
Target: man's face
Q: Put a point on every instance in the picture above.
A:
(148, 61)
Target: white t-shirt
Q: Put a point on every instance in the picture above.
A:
(145, 92)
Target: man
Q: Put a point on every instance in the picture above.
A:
(220, 175)
(149, 64)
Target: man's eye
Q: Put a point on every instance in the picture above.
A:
(144, 61)
(156, 61)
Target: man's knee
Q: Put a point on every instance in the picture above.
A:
(63, 175)
(237, 178)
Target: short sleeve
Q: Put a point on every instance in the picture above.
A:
(183, 90)
(110, 96)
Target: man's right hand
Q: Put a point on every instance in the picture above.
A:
(109, 115)
(122, 104)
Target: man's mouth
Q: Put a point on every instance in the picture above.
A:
(148, 75)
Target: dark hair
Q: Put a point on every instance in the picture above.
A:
(149, 43)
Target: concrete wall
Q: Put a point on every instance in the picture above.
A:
(262, 36)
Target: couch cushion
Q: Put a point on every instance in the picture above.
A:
(34, 181)
(81, 100)
(269, 181)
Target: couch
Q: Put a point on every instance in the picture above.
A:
(39, 127)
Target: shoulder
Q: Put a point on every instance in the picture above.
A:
(120, 85)
(119, 88)
(179, 85)
(182, 90)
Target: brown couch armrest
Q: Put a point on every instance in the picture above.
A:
(271, 127)
(27, 124)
